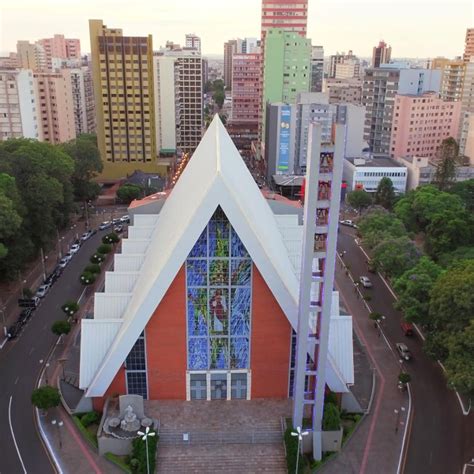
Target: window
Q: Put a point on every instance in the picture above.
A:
(198, 386)
(135, 369)
(219, 386)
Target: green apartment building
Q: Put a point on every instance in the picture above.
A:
(286, 69)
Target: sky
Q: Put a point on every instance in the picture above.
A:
(414, 28)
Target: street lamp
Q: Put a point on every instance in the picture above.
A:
(59, 424)
(43, 258)
(300, 435)
(145, 438)
(397, 420)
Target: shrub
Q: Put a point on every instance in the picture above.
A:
(330, 397)
(291, 443)
(61, 327)
(138, 462)
(404, 377)
(104, 248)
(331, 417)
(93, 268)
(45, 397)
(375, 316)
(97, 258)
(90, 418)
(87, 278)
(70, 307)
(90, 438)
(28, 293)
(367, 298)
(111, 238)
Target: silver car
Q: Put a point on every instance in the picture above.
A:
(365, 282)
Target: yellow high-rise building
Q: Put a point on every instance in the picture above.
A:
(122, 70)
(452, 78)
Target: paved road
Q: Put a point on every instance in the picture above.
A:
(441, 439)
(20, 366)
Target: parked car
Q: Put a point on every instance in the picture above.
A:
(29, 302)
(25, 315)
(116, 221)
(365, 282)
(407, 328)
(54, 275)
(42, 290)
(402, 349)
(74, 249)
(105, 225)
(65, 260)
(118, 228)
(14, 330)
(86, 235)
(347, 222)
(125, 219)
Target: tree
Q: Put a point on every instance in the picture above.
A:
(447, 158)
(45, 397)
(331, 417)
(460, 361)
(359, 199)
(414, 288)
(395, 256)
(465, 190)
(379, 225)
(61, 327)
(219, 97)
(451, 258)
(385, 194)
(128, 192)
(87, 165)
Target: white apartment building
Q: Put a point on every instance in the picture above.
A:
(19, 107)
(83, 100)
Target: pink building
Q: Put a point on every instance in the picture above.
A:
(246, 87)
(421, 123)
(55, 106)
(60, 47)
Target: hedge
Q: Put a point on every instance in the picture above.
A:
(137, 459)
(89, 418)
(331, 417)
(92, 440)
(97, 258)
(111, 238)
(93, 268)
(87, 278)
(291, 443)
(104, 248)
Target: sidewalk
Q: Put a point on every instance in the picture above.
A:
(377, 444)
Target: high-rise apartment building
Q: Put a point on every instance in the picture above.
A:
(467, 107)
(83, 100)
(179, 99)
(193, 41)
(337, 60)
(55, 106)
(60, 47)
(231, 47)
(381, 54)
(246, 87)
(452, 77)
(286, 67)
(9, 62)
(421, 123)
(317, 68)
(122, 69)
(469, 45)
(380, 87)
(344, 91)
(31, 56)
(290, 15)
(18, 105)
(250, 45)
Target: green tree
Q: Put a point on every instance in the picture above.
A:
(414, 288)
(385, 194)
(331, 417)
(451, 258)
(379, 225)
(447, 160)
(219, 96)
(460, 361)
(359, 199)
(45, 397)
(465, 190)
(87, 165)
(395, 256)
(128, 192)
(61, 327)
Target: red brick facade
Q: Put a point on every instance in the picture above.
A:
(165, 336)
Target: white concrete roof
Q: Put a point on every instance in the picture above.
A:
(215, 176)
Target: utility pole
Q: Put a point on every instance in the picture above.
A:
(59, 245)
(43, 264)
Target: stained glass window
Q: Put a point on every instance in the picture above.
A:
(219, 277)
(135, 368)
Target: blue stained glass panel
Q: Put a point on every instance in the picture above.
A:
(219, 353)
(237, 247)
(239, 352)
(197, 312)
(240, 272)
(240, 312)
(196, 272)
(200, 247)
(197, 353)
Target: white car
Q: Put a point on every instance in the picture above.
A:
(125, 219)
(86, 235)
(74, 249)
(65, 260)
(105, 225)
(42, 290)
(366, 283)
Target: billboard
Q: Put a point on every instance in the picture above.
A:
(284, 149)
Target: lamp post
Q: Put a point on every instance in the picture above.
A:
(300, 435)
(43, 259)
(59, 424)
(145, 438)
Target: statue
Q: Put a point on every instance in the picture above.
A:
(130, 421)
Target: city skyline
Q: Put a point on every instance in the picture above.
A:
(363, 22)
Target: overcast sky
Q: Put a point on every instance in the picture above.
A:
(414, 28)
